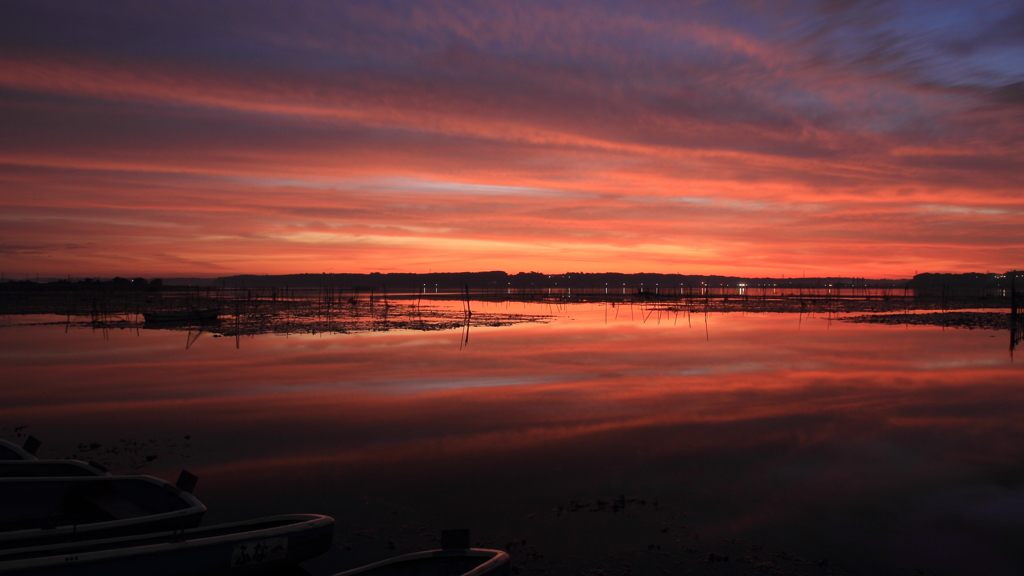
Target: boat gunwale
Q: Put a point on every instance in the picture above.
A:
(36, 462)
(303, 522)
(498, 557)
(25, 454)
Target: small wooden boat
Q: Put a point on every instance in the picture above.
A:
(239, 548)
(46, 510)
(11, 451)
(455, 558)
(41, 468)
(182, 316)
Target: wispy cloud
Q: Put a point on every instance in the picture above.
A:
(616, 132)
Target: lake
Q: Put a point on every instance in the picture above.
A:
(605, 440)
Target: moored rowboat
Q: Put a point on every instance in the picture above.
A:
(446, 562)
(11, 451)
(42, 468)
(46, 510)
(238, 548)
(455, 558)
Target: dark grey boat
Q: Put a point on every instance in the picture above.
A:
(240, 548)
(46, 510)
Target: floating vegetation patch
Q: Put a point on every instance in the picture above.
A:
(969, 320)
(253, 316)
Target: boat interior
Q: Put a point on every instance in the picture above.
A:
(41, 503)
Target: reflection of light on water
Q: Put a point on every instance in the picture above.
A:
(939, 364)
(764, 431)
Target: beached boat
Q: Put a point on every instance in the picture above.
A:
(450, 562)
(11, 451)
(46, 510)
(190, 315)
(240, 548)
(41, 468)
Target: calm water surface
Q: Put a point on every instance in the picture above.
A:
(600, 440)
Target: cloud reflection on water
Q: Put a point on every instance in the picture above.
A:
(773, 428)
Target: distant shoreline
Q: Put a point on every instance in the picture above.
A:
(446, 282)
(458, 279)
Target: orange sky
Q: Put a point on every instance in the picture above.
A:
(733, 139)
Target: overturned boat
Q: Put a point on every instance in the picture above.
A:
(46, 510)
(241, 548)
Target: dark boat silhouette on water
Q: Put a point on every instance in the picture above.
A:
(11, 451)
(67, 517)
(242, 548)
(455, 558)
(51, 468)
(451, 562)
(37, 510)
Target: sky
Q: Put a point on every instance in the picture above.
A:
(843, 138)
